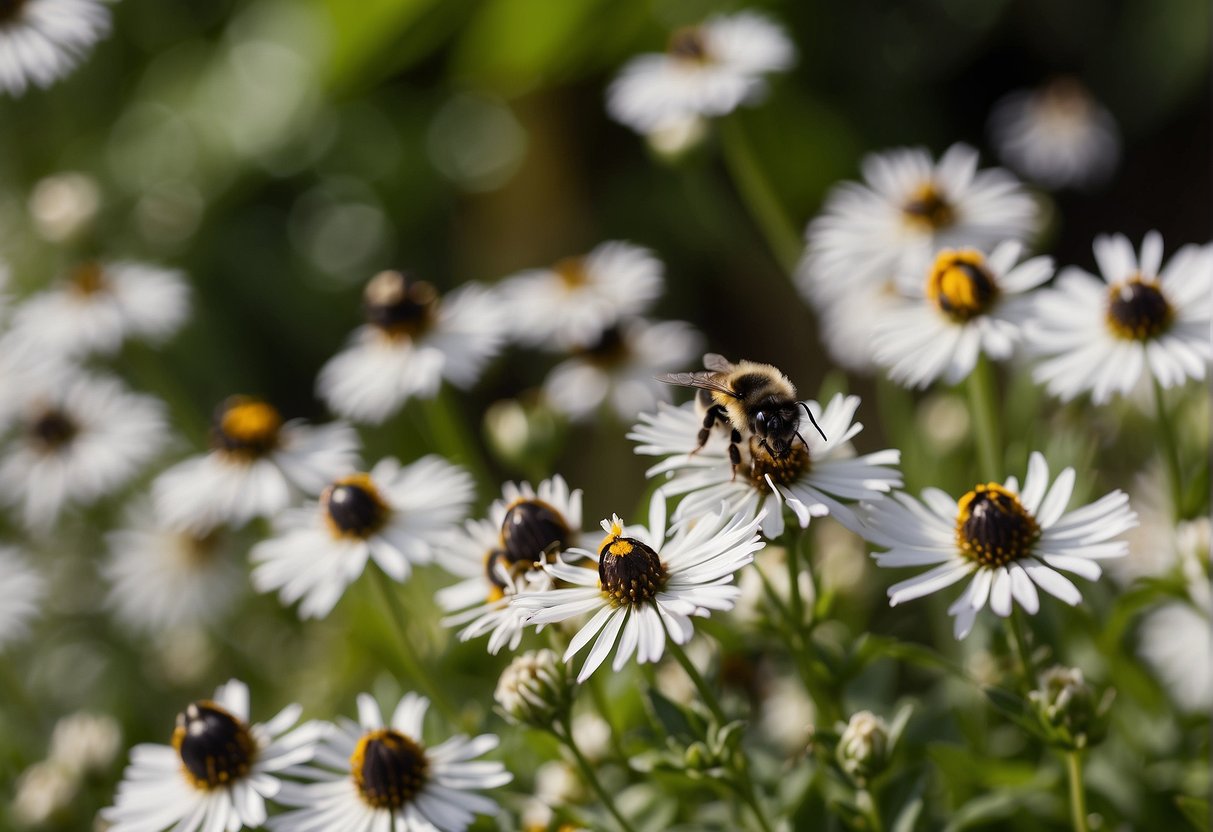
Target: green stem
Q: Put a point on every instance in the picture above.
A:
(748, 794)
(603, 704)
(564, 732)
(760, 198)
(1021, 648)
(1170, 452)
(793, 550)
(867, 804)
(985, 419)
(1078, 797)
(705, 693)
(454, 439)
(408, 656)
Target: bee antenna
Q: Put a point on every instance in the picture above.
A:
(801, 438)
(814, 421)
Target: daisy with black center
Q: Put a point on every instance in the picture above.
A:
(412, 341)
(504, 555)
(217, 772)
(395, 515)
(256, 466)
(41, 41)
(382, 777)
(971, 305)
(1008, 541)
(21, 592)
(1102, 334)
(707, 71)
(646, 588)
(817, 477)
(75, 441)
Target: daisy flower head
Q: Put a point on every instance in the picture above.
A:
(1057, 135)
(164, 579)
(572, 303)
(1101, 334)
(1008, 541)
(100, 305)
(647, 587)
(41, 41)
(619, 368)
(504, 555)
(76, 440)
(908, 207)
(395, 515)
(412, 341)
(707, 70)
(21, 591)
(256, 465)
(971, 305)
(379, 775)
(817, 476)
(218, 770)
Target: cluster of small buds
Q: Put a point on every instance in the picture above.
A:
(864, 747)
(536, 689)
(1072, 713)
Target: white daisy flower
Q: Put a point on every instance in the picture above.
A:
(257, 466)
(575, 301)
(971, 305)
(77, 440)
(217, 773)
(393, 515)
(42, 41)
(1100, 334)
(707, 70)
(620, 368)
(21, 592)
(377, 776)
(100, 306)
(163, 579)
(412, 341)
(1009, 541)
(1176, 640)
(872, 236)
(503, 555)
(647, 587)
(818, 476)
(1057, 135)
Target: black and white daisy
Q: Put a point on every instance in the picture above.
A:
(819, 476)
(41, 41)
(1008, 541)
(413, 340)
(1138, 318)
(377, 776)
(503, 556)
(218, 771)
(647, 587)
(395, 515)
(21, 592)
(76, 440)
(256, 466)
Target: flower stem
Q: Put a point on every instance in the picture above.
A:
(454, 439)
(1021, 648)
(793, 550)
(867, 804)
(563, 731)
(1170, 452)
(985, 420)
(760, 198)
(1078, 797)
(705, 693)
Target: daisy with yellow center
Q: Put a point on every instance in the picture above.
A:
(647, 587)
(1009, 542)
(379, 775)
(970, 305)
(1102, 335)
(394, 515)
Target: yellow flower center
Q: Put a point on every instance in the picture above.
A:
(246, 427)
(927, 209)
(216, 749)
(993, 528)
(388, 768)
(961, 285)
(87, 278)
(689, 45)
(353, 507)
(1138, 310)
(572, 272)
(629, 572)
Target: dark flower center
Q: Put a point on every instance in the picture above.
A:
(389, 769)
(609, 350)
(993, 528)
(87, 278)
(532, 529)
(398, 306)
(53, 429)
(961, 286)
(572, 272)
(928, 209)
(782, 471)
(245, 427)
(9, 10)
(688, 44)
(353, 506)
(1138, 310)
(629, 572)
(215, 747)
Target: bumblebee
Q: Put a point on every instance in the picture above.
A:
(747, 397)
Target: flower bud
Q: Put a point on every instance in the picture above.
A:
(863, 749)
(535, 689)
(1069, 709)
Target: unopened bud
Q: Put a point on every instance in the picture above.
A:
(535, 689)
(1071, 712)
(863, 749)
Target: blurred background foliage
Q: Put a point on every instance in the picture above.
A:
(282, 151)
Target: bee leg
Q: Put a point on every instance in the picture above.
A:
(714, 414)
(734, 451)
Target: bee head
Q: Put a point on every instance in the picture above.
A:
(776, 426)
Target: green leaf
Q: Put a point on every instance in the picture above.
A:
(679, 722)
(1195, 810)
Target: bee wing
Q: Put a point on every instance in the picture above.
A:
(717, 363)
(706, 381)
